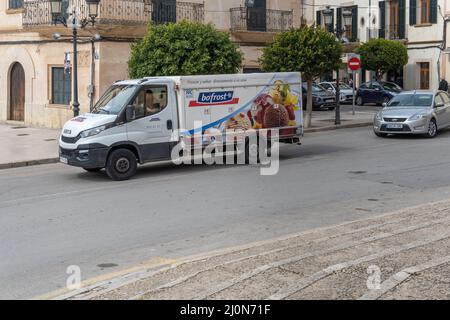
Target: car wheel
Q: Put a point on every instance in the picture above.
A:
(121, 164)
(380, 134)
(359, 101)
(92, 169)
(432, 129)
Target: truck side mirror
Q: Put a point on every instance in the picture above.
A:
(130, 113)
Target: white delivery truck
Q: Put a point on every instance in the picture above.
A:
(140, 121)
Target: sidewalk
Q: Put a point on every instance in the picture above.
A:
(400, 255)
(324, 120)
(22, 145)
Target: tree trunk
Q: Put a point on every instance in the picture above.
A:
(309, 104)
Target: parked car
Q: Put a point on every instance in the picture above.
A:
(345, 91)
(322, 99)
(378, 92)
(414, 112)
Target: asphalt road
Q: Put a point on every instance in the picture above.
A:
(54, 216)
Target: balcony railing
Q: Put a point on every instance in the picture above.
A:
(115, 12)
(255, 19)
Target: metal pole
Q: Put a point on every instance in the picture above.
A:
(75, 103)
(337, 119)
(353, 82)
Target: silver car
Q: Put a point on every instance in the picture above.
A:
(414, 112)
(345, 91)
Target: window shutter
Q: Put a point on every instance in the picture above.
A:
(433, 11)
(339, 19)
(318, 18)
(382, 31)
(354, 24)
(331, 27)
(401, 19)
(412, 12)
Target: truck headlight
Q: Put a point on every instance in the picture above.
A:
(418, 117)
(93, 131)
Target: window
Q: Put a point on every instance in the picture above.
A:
(438, 100)
(424, 75)
(150, 100)
(424, 11)
(61, 86)
(445, 98)
(15, 4)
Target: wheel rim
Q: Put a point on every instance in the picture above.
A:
(122, 165)
(432, 129)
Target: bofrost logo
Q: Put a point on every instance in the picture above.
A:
(214, 98)
(229, 147)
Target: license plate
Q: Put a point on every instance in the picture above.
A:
(63, 160)
(329, 100)
(394, 126)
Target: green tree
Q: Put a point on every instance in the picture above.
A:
(310, 50)
(183, 48)
(382, 55)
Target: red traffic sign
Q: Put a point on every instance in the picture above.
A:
(354, 64)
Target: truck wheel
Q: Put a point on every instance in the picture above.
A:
(121, 165)
(92, 169)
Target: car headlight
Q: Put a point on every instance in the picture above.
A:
(93, 131)
(418, 117)
(378, 117)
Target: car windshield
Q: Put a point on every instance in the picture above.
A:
(413, 100)
(113, 101)
(344, 86)
(317, 88)
(389, 86)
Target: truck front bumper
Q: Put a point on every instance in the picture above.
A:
(84, 156)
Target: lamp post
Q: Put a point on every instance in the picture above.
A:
(347, 17)
(75, 21)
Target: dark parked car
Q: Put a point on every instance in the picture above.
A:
(322, 99)
(378, 92)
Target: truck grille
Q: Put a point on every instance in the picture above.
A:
(70, 139)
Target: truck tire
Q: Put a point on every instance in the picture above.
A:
(121, 165)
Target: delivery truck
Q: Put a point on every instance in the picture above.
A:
(142, 120)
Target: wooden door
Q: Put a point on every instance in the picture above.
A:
(17, 93)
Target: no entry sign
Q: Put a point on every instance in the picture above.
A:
(354, 63)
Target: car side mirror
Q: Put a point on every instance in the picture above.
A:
(438, 105)
(384, 104)
(130, 113)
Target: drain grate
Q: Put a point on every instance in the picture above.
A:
(19, 127)
(22, 134)
(50, 140)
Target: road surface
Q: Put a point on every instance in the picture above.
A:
(54, 216)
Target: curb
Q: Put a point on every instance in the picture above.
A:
(341, 126)
(56, 160)
(28, 163)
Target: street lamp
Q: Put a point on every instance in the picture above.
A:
(347, 16)
(75, 21)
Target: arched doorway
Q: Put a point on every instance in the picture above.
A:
(17, 93)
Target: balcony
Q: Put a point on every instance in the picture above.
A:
(119, 16)
(393, 32)
(256, 19)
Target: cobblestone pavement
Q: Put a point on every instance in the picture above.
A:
(401, 255)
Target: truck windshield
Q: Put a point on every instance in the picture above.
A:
(113, 101)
